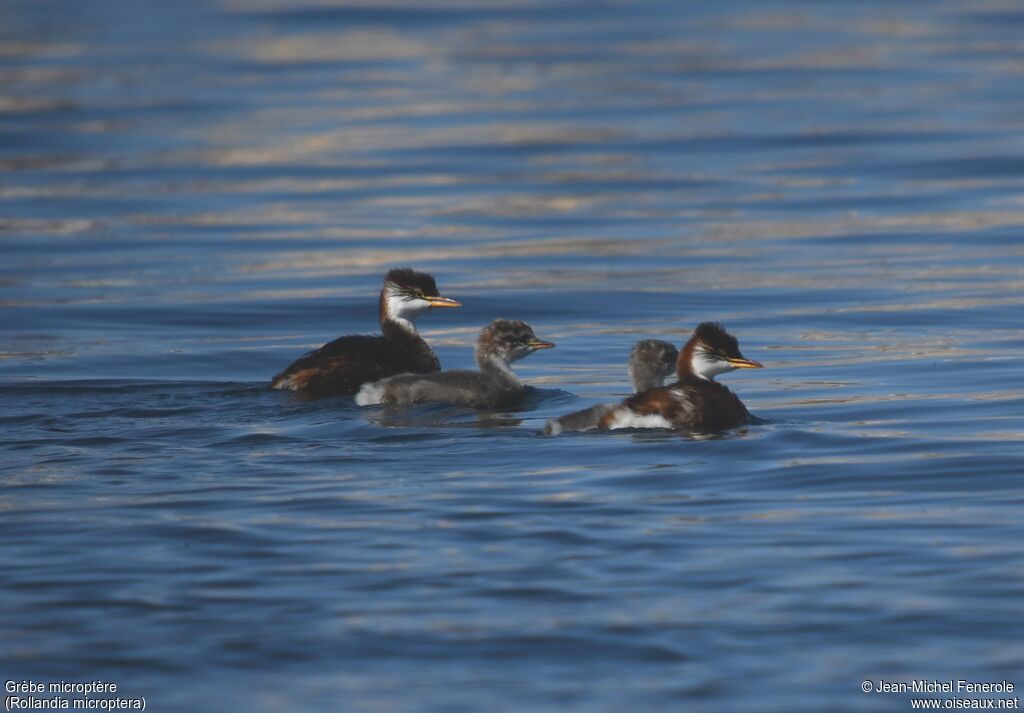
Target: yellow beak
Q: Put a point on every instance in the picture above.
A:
(743, 363)
(539, 344)
(443, 302)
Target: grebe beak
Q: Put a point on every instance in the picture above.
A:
(443, 302)
(744, 363)
(539, 344)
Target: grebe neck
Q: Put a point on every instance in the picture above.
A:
(393, 314)
(696, 363)
(494, 364)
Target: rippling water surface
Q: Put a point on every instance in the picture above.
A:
(194, 193)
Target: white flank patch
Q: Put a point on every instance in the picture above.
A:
(624, 418)
(370, 394)
(553, 428)
(286, 384)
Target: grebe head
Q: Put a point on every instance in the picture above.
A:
(407, 294)
(712, 351)
(504, 341)
(651, 361)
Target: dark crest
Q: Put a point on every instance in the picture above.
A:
(716, 339)
(408, 279)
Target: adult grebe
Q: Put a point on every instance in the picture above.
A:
(342, 366)
(695, 401)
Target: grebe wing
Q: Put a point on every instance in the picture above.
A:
(341, 366)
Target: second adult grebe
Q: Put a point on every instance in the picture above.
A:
(695, 401)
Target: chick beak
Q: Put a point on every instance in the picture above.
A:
(539, 344)
(439, 301)
(744, 363)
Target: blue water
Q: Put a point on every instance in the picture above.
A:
(194, 193)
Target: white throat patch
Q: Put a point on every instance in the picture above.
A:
(401, 310)
(707, 366)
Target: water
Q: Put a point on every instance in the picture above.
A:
(195, 193)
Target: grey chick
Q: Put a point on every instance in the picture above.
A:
(495, 386)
